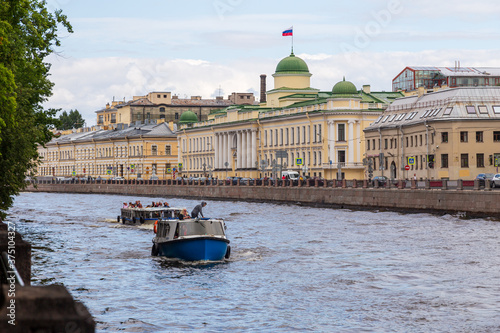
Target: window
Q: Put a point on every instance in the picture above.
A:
(281, 137)
(265, 138)
(479, 136)
(464, 137)
(162, 109)
(496, 108)
(444, 160)
(168, 150)
(287, 136)
(471, 109)
(392, 117)
(386, 146)
(401, 116)
(448, 110)
(367, 144)
(276, 137)
(319, 133)
(421, 139)
(444, 137)
(480, 160)
(482, 109)
(303, 134)
(270, 138)
(436, 112)
(385, 119)
(341, 156)
(496, 136)
(374, 147)
(154, 150)
(292, 139)
(315, 134)
(298, 134)
(378, 119)
(464, 160)
(341, 133)
(411, 116)
(176, 115)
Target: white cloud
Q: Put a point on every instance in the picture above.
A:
(88, 84)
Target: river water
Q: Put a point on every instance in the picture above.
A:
(292, 268)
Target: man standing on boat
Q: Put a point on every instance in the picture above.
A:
(198, 210)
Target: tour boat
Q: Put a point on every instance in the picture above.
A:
(200, 239)
(146, 215)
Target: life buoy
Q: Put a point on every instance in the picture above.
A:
(141, 220)
(155, 226)
(228, 252)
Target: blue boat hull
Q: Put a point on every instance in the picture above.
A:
(194, 249)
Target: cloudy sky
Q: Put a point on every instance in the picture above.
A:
(124, 48)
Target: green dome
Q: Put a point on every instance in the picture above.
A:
(344, 88)
(188, 117)
(292, 64)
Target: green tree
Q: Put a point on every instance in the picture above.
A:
(72, 120)
(28, 34)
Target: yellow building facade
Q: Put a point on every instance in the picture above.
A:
(448, 134)
(163, 106)
(298, 128)
(131, 153)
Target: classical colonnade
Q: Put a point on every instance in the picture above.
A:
(245, 145)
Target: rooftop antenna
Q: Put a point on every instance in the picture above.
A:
(219, 91)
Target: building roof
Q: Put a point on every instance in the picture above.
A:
(463, 103)
(292, 65)
(144, 130)
(344, 89)
(459, 71)
(188, 117)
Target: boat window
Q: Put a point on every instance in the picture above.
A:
(202, 227)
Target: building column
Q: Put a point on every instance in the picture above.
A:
(331, 140)
(350, 145)
(244, 149)
(254, 149)
(216, 151)
(239, 147)
(358, 142)
(224, 150)
(249, 149)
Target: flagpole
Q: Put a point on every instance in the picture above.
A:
(292, 39)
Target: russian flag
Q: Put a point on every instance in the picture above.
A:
(288, 32)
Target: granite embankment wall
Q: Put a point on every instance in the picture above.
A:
(471, 202)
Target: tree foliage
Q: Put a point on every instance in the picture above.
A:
(28, 34)
(72, 120)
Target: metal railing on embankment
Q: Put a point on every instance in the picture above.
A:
(422, 184)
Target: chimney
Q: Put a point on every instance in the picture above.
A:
(263, 88)
(366, 88)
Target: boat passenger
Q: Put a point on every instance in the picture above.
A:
(165, 204)
(125, 205)
(183, 214)
(198, 209)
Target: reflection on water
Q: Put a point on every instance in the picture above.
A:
(292, 268)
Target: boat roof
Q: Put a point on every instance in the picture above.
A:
(153, 208)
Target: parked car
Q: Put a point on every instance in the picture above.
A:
(483, 176)
(117, 178)
(382, 180)
(495, 181)
(154, 177)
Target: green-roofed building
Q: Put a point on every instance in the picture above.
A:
(318, 133)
